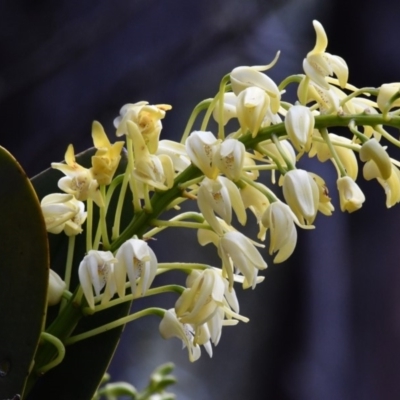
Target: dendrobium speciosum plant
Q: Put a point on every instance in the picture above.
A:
(248, 140)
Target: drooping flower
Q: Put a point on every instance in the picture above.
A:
(280, 220)
(345, 155)
(229, 158)
(301, 194)
(299, 124)
(206, 292)
(62, 212)
(146, 117)
(252, 105)
(170, 326)
(324, 205)
(391, 187)
(176, 152)
(56, 288)
(201, 148)
(377, 161)
(79, 181)
(237, 251)
(107, 157)
(228, 108)
(319, 64)
(350, 195)
(244, 77)
(386, 92)
(220, 196)
(137, 260)
(97, 270)
(153, 170)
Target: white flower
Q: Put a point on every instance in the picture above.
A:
(318, 64)
(79, 181)
(146, 117)
(386, 92)
(378, 164)
(236, 250)
(177, 153)
(350, 195)
(391, 187)
(252, 105)
(228, 108)
(229, 158)
(56, 288)
(97, 270)
(137, 260)
(299, 124)
(220, 196)
(206, 292)
(62, 212)
(301, 194)
(201, 148)
(170, 326)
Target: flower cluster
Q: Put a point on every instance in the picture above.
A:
(230, 176)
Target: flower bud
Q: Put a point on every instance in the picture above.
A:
(378, 163)
(56, 288)
(299, 124)
(350, 195)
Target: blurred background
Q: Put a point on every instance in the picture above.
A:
(323, 325)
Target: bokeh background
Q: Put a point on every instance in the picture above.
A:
(323, 325)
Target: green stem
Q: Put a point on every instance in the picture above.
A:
(200, 107)
(332, 150)
(122, 321)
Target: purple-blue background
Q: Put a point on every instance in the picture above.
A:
(325, 324)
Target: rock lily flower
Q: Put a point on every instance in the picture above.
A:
(252, 105)
(62, 212)
(237, 251)
(378, 163)
(156, 171)
(107, 157)
(146, 117)
(299, 124)
(391, 187)
(79, 181)
(201, 148)
(319, 64)
(56, 288)
(229, 158)
(350, 195)
(228, 108)
(220, 196)
(301, 194)
(386, 92)
(170, 326)
(97, 270)
(280, 220)
(206, 292)
(137, 260)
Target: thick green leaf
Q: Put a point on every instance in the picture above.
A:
(24, 270)
(85, 363)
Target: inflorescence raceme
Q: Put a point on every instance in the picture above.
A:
(224, 172)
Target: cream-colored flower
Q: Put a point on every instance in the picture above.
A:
(377, 161)
(170, 326)
(301, 194)
(155, 171)
(350, 195)
(324, 206)
(220, 196)
(107, 157)
(56, 288)
(244, 77)
(391, 187)
(229, 158)
(346, 155)
(62, 212)
(299, 124)
(252, 105)
(228, 108)
(279, 219)
(257, 202)
(319, 64)
(137, 260)
(201, 148)
(385, 93)
(79, 181)
(238, 251)
(146, 117)
(176, 152)
(97, 270)
(271, 151)
(206, 292)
